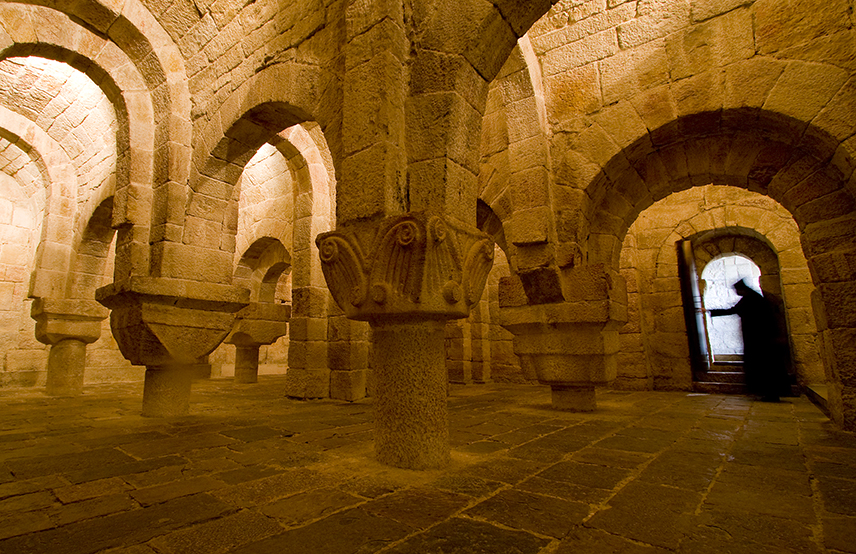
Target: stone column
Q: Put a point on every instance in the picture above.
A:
(411, 423)
(257, 324)
(169, 326)
(407, 277)
(572, 346)
(68, 326)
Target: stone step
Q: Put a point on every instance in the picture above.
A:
(819, 395)
(726, 366)
(722, 377)
(709, 387)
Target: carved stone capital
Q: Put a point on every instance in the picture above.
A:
(565, 327)
(260, 323)
(163, 322)
(590, 288)
(412, 266)
(566, 354)
(61, 319)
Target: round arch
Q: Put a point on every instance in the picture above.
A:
(742, 150)
(53, 253)
(261, 266)
(717, 219)
(134, 61)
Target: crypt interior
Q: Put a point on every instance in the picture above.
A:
(418, 217)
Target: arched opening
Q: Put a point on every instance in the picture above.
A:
(271, 177)
(717, 221)
(20, 222)
(490, 348)
(724, 337)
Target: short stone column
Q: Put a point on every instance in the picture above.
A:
(258, 324)
(169, 326)
(407, 277)
(67, 326)
(411, 424)
(571, 346)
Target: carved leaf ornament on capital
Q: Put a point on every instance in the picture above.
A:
(417, 265)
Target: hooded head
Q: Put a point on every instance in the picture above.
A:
(741, 287)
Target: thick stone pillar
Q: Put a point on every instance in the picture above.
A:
(68, 326)
(406, 277)
(169, 326)
(257, 324)
(308, 370)
(572, 346)
(348, 357)
(66, 367)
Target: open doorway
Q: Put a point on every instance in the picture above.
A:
(725, 339)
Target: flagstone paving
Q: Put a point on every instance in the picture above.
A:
(253, 472)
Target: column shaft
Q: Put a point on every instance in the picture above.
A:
(411, 421)
(66, 364)
(166, 391)
(247, 364)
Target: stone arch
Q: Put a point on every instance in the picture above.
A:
(54, 250)
(286, 94)
(515, 169)
(264, 111)
(138, 34)
(313, 175)
(75, 123)
(261, 266)
(734, 220)
(210, 222)
(140, 64)
(748, 149)
(91, 253)
(710, 245)
(254, 114)
(799, 165)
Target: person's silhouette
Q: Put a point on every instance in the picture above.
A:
(764, 352)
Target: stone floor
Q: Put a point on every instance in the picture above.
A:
(253, 473)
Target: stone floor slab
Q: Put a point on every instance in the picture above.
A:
(417, 507)
(351, 532)
(647, 472)
(464, 536)
(536, 513)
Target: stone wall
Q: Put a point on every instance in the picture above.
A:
(564, 120)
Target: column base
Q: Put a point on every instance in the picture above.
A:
(573, 399)
(166, 391)
(66, 363)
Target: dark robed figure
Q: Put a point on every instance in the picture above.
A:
(765, 352)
